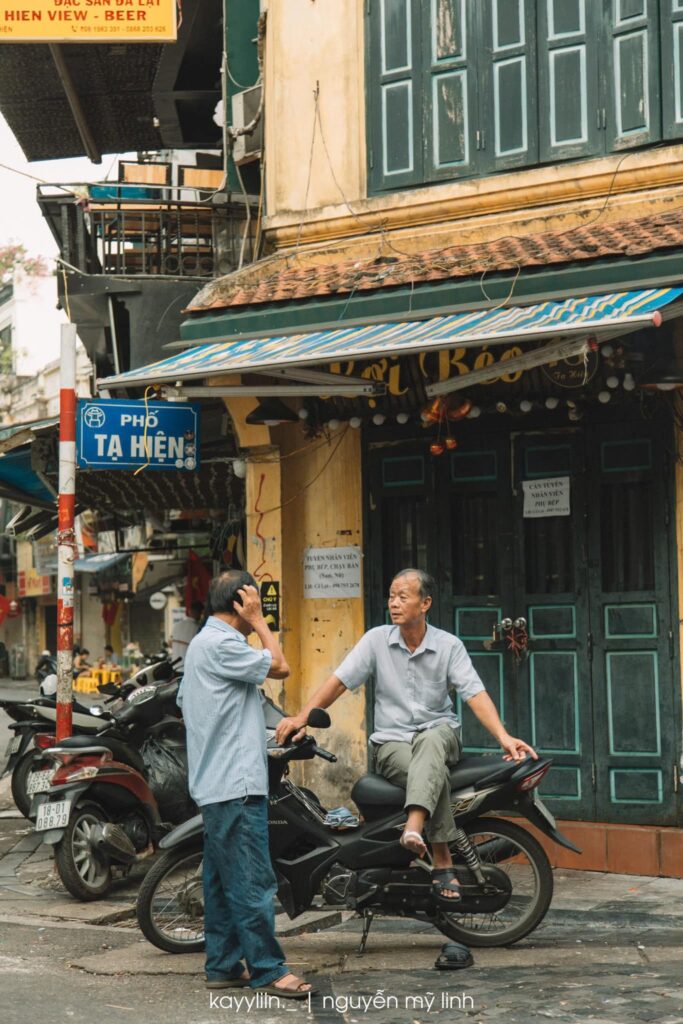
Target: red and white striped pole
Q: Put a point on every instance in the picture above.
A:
(66, 537)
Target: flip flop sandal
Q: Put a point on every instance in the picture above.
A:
(404, 836)
(453, 957)
(443, 880)
(291, 991)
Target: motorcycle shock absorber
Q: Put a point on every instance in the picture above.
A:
(469, 855)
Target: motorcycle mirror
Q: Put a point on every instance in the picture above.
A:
(97, 710)
(318, 719)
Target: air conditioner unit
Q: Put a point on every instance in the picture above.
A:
(245, 106)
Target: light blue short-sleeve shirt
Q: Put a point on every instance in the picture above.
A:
(411, 689)
(222, 710)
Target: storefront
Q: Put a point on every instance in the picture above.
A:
(534, 477)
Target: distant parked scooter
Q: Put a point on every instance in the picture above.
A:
(105, 801)
(47, 666)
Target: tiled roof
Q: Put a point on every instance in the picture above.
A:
(256, 285)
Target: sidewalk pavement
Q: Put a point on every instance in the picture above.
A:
(609, 950)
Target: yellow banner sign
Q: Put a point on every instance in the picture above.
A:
(87, 21)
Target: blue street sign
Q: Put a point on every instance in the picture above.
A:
(111, 434)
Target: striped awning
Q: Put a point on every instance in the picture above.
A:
(616, 313)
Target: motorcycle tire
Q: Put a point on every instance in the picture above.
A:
(469, 928)
(85, 874)
(188, 897)
(20, 781)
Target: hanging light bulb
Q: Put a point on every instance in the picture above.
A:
(378, 419)
(474, 412)
(551, 402)
(239, 468)
(525, 405)
(628, 382)
(607, 350)
(612, 382)
(402, 417)
(303, 413)
(355, 422)
(575, 414)
(604, 397)
(333, 424)
(501, 407)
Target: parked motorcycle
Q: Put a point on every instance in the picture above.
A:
(105, 801)
(505, 876)
(47, 666)
(37, 718)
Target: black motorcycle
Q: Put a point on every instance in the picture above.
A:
(47, 666)
(506, 882)
(34, 724)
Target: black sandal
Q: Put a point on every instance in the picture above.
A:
(444, 880)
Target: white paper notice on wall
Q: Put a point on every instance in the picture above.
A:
(549, 497)
(332, 572)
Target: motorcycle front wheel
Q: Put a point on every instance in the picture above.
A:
(510, 848)
(170, 905)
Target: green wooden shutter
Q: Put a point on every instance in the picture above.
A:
(449, 88)
(395, 157)
(631, 74)
(507, 43)
(570, 121)
(672, 68)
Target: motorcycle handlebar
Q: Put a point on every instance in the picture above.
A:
(325, 754)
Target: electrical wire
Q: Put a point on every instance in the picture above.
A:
(295, 497)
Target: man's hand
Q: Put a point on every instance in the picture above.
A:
(516, 750)
(287, 726)
(250, 609)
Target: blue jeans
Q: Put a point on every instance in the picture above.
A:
(239, 885)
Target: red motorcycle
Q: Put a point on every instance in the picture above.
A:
(108, 799)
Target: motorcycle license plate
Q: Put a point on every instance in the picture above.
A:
(39, 782)
(53, 815)
(13, 746)
(542, 809)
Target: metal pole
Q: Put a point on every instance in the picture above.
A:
(66, 537)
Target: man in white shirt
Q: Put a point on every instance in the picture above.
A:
(183, 631)
(417, 732)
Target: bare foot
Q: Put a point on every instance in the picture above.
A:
(290, 983)
(414, 842)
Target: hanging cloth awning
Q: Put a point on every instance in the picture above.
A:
(599, 315)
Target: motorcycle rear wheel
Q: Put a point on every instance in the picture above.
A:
(531, 876)
(86, 873)
(170, 904)
(20, 781)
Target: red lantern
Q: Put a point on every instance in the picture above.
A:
(435, 411)
(461, 411)
(437, 448)
(451, 443)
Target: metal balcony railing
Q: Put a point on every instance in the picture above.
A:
(128, 230)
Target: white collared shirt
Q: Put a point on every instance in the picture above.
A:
(411, 689)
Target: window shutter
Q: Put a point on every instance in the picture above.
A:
(632, 111)
(672, 68)
(508, 44)
(570, 117)
(394, 89)
(450, 116)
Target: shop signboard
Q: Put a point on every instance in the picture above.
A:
(31, 584)
(114, 433)
(83, 21)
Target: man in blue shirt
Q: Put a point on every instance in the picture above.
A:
(228, 779)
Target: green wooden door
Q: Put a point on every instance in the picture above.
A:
(635, 703)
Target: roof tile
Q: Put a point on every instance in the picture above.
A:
(255, 285)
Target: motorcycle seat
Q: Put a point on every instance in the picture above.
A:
(120, 751)
(376, 791)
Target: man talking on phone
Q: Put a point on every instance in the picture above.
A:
(228, 779)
